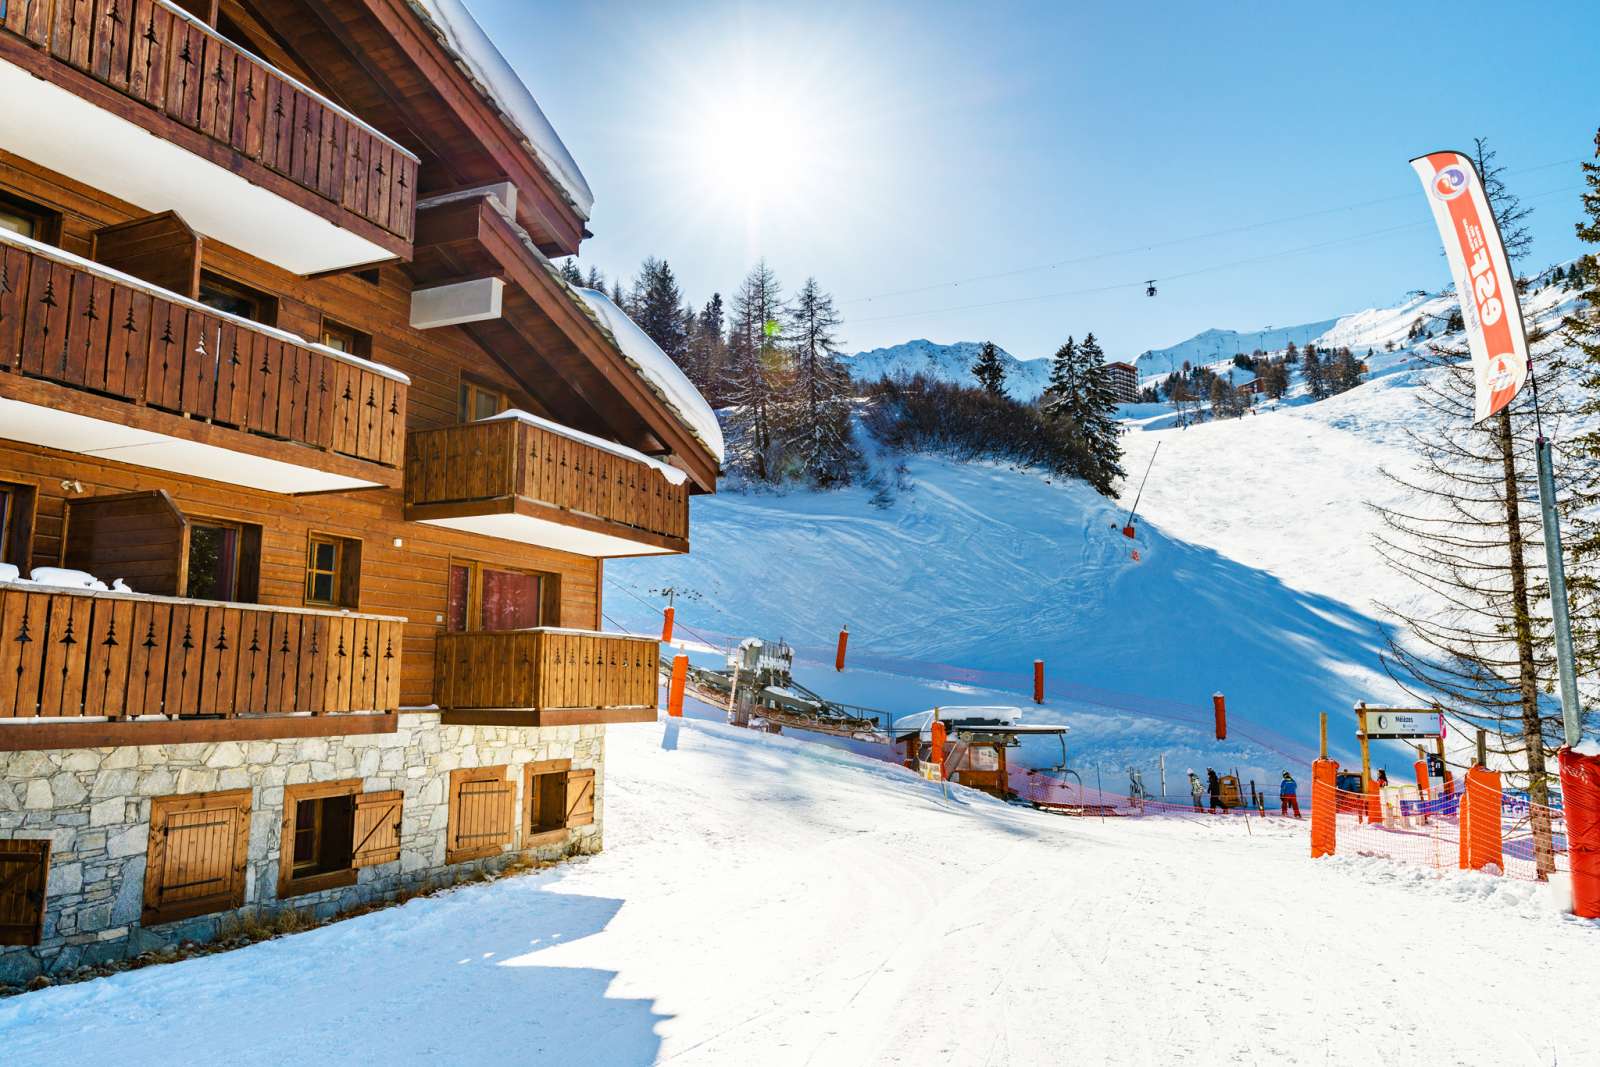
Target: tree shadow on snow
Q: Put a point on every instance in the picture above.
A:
(441, 979)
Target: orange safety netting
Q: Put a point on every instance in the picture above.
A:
(1464, 826)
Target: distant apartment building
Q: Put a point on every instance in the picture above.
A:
(1124, 382)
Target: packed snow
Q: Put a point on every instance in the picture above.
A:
(765, 900)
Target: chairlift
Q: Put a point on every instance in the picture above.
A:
(1150, 287)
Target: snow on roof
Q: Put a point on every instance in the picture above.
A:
(658, 370)
(922, 721)
(671, 473)
(482, 62)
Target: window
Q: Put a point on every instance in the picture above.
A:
(27, 219)
(16, 525)
(482, 818)
(198, 855)
(226, 295)
(555, 798)
(331, 830)
(24, 871)
(482, 597)
(333, 571)
(344, 339)
(481, 401)
(224, 561)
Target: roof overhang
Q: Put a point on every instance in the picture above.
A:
(468, 237)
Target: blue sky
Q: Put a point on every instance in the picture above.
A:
(889, 147)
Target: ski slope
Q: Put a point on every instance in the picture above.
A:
(768, 901)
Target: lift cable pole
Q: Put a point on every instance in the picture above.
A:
(1140, 494)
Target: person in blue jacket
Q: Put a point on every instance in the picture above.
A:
(1288, 795)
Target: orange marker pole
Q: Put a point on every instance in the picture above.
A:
(1324, 807)
(1038, 681)
(1480, 821)
(844, 639)
(1220, 707)
(680, 673)
(1580, 791)
(666, 624)
(936, 748)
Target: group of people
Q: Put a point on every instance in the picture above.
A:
(1288, 792)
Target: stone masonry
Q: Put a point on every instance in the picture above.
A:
(94, 805)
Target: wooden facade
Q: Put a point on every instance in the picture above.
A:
(297, 409)
(171, 73)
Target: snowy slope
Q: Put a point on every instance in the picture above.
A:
(1025, 378)
(978, 566)
(1210, 346)
(763, 900)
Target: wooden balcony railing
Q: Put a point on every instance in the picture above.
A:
(71, 321)
(165, 64)
(544, 671)
(118, 656)
(519, 464)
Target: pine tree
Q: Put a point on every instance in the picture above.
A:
(657, 308)
(1581, 459)
(570, 272)
(1314, 373)
(758, 372)
(817, 422)
(618, 297)
(989, 371)
(595, 280)
(1080, 402)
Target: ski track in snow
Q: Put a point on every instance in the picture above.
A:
(766, 900)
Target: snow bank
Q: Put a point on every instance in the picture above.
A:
(658, 370)
(671, 473)
(501, 86)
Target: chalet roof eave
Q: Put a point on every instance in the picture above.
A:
(541, 194)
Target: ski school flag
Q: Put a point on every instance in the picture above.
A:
(1483, 277)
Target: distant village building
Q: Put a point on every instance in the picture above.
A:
(1124, 382)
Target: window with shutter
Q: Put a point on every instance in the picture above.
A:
(24, 869)
(315, 847)
(377, 833)
(198, 854)
(544, 802)
(580, 797)
(482, 813)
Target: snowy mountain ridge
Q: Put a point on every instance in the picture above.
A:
(1025, 378)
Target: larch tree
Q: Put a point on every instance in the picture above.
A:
(989, 371)
(817, 419)
(757, 372)
(1470, 538)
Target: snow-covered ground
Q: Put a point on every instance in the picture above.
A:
(769, 901)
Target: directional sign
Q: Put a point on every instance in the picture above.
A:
(1385, 724)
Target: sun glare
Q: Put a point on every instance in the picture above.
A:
(758, 146)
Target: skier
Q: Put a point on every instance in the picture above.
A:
(1195, 788)
(1135, 788)
(1214, 787)
(1288, 795)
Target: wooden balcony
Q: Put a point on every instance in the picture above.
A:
(141, 99)
(103, 364)
(97, 668)
(525, 479)
(545, 677)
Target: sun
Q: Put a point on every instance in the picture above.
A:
(756, 144)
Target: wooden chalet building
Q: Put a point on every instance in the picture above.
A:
(309, 466)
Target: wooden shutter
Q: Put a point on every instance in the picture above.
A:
(199, 853)
(24, 868)
(161, 249)
(139, 537)
(377, 832)
(580, 797)
(482, 813)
